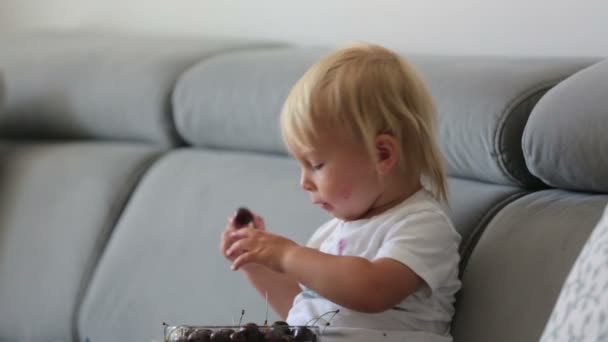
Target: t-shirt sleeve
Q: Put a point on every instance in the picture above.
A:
(427, 243)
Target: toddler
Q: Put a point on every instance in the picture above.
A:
(361, 124)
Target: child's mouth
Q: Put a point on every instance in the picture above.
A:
(325, 206)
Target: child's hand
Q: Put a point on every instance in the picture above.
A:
(251, 245)
(227, 241)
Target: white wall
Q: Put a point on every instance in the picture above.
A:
(503, 27)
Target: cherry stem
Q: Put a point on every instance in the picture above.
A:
(314, 320)
(242, 314)
(266, 319)
(329, 320)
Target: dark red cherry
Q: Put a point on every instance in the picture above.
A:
(243, 217)
(303, 334)
(221, 335)
(252, 332)
(281, 327)
(238, 336)
(200, 335)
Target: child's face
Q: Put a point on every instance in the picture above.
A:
(340, 177)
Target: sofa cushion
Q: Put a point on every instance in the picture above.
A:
(515, 272)
(483, 105)
(98, 86)
(233, 101)
(58, 205)
(565, 141)
(581, 312)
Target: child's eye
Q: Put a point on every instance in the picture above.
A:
(318, 166)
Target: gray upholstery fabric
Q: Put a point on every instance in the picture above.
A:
(58, 204)
(163, 262)
(515, 273)
(97, 86)
(565, 142)
(472, 205)
(483, 105)
(581, 312)
(2, 92)
(233, 101)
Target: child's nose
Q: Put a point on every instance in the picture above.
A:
(305, 182)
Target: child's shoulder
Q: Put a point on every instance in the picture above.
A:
(421, 203)
(423, 212)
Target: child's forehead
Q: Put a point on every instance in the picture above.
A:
(304, 153)
(325, 147)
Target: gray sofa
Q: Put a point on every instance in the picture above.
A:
(122, 156)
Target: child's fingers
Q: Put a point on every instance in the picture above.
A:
(240, 245)
(258, 222)
(226, 239)
(232, 240)
(243, 259)
(225, 242)
(242, 233)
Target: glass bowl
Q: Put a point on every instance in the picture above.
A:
(250, 332)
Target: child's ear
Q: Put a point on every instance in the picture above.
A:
(387, 152)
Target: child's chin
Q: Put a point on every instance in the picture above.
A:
(344, 217)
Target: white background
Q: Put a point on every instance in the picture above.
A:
(507, 27)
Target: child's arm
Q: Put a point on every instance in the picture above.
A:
(353, 282)
(280, 288)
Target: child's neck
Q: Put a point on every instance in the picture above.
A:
(395, 191)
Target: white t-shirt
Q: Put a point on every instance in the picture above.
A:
(416, 233)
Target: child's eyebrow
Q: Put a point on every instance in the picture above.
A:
(303, 158)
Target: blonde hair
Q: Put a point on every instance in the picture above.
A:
(367, 90)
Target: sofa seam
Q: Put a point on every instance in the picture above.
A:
(475, 235)
(500, 130)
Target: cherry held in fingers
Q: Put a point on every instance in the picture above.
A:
(243, 217)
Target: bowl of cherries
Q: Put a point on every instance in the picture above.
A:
(277, 332)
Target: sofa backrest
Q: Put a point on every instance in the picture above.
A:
(518, 267)
(97, 87)
(565, 144)
(233, 102)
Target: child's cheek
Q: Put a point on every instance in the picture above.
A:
(347, 193)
